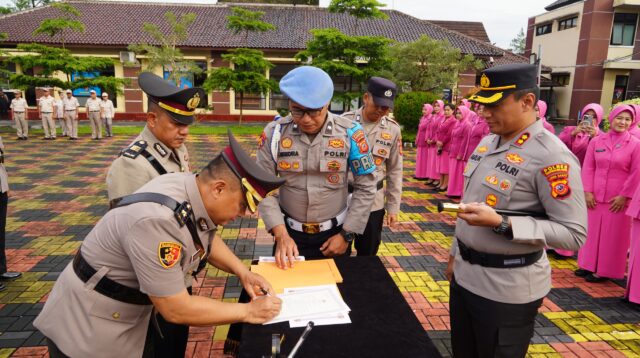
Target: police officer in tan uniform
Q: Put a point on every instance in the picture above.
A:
(314, 151)
(137, 259)
(20, 114)
(46, 108)
(384, 135)
(160, 148)
(94, 113)
(4, 199)
(71, 105)
(500, 270)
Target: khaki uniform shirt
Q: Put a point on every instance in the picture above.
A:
(93, 105)
(70, 104)
(46, 104)
(59, 109)
(4, 178)
(316, 173)
(386, 141)
(126, 174)
(107, 108)
(126, 246)
(18, 104)
(535, 172)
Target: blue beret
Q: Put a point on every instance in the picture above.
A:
(308, 86)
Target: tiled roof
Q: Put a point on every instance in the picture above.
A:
(559, 3)
(469, 28)
(120, 24)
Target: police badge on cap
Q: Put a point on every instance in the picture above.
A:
(179, 103)
(497, 83)
(382, 90)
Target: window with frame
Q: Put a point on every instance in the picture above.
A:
(620, 89)
(624, 29)
(561, 78)
(278, 100)
(568, 23)
(543, 29)
(82, 94)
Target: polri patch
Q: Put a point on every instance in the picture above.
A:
(361, 141)
(558, 177)
(169, 253)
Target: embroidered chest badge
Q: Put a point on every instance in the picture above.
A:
(286, 143)
(514, 158)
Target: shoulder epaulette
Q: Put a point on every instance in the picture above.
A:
(135, 149)
(351, 115)
(343, 122)
(393, 121)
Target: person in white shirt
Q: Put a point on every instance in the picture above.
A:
(46, 108)
(20, 113)
(71, 105)
(106, 105)
(60, 113)
(94, 113)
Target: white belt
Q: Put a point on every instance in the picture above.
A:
(314, 228)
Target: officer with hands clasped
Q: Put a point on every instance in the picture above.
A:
(137, 259)
(500, 272)
(314, 150)
(384, 135)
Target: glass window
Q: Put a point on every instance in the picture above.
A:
(543, 29)
(252, 101)
(568, 23)
(561, 78)
(624, 29)
(83, 93)
(277, 100)
(620, 89)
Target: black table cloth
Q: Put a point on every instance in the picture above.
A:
(383, 324)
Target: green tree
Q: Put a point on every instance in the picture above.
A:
(246, 76)
(407, 111)
(243, 20)
(56, 27)
(360, 9)
(168, 53)
(4, 10)
(19, 5)
(355, 58)
(518, 43)
(428, 65)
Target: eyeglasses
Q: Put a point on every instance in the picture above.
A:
(252, 196)
(298, 113)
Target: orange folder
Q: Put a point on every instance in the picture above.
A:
(303, 273)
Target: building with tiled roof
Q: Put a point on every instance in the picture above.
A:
(470, 28)
(112, 26)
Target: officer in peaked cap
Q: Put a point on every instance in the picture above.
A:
(314, 150)
(138, 261)
(160, 148)
(384, 135)
(498, 268)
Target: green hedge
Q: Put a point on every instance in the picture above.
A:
(408, 110)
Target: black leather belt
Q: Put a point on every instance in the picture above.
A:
(495, 260)
(46, 112)
(69, 110)
(107, 286)
(379, 186)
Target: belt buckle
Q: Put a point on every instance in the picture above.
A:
(311, 228)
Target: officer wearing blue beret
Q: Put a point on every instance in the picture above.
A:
(314, 150)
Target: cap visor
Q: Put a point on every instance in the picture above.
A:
(383, 102)
(489, 97)
(188, 120)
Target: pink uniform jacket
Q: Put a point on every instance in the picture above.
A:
(460, 134)
(578, 144)
(479, 130)
(542, 107)
(444, 132)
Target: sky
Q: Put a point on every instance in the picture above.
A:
(502, 19)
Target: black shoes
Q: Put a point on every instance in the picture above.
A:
(582, 272)
(8, 276)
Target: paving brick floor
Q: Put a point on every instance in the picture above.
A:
(58, 194)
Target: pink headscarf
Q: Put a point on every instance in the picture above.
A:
(466, 113)
(596, 108)
(622, 108)
(466, 103)
(542, 107)
(636, 114)
(429, 108)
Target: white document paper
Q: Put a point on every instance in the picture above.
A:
(322, 320)
(319, 302)
(273, 259)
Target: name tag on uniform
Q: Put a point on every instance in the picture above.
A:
(600, 150)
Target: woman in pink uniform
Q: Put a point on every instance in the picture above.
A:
(479, 130)
(541, 107)
(634, 130)
(632, 293)
(432, 150)
(459, 136)
(421, 142)
(577, 138)
(610, 177)
(443, 143)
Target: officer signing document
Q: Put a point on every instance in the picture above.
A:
(500, 272)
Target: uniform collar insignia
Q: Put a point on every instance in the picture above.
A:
(202, 223)
(160, 149)
(328, 129)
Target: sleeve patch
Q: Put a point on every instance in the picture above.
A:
(169, 253)
(262, 139)
(558, 177)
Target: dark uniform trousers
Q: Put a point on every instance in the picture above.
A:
(484, 328)
(309, 244)
(172, 343)
(368, 243)
(4, 198)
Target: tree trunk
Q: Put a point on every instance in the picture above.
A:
(241, 106)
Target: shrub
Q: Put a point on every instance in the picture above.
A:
(408, 109)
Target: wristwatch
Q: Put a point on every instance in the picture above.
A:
(503, 228)
(348, 236)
